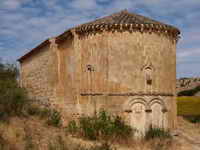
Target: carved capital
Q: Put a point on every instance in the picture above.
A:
(53, 44)
(128, 111)
(148, 110)
(164, 110)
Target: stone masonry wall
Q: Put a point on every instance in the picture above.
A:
(37, 76)
(66, 85)
(121, 72)
(114, 67)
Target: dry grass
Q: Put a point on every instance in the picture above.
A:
(34, 134)
(188, 106)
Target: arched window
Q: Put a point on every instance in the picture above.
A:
(148, 75)
(147, 71)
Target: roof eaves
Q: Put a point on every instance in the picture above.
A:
(34, 50)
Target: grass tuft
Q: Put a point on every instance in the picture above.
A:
(54, 119)
(160, 133)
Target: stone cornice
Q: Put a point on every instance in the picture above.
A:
(127, 94)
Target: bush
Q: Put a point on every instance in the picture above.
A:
(160, 133)
(53, 116)
(39, 111)
(193, 119)
(54, 119)
(13, 99)
(101, 126)
(72, 127)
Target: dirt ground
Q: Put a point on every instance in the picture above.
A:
(188, 135)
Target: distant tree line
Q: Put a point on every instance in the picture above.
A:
(190, 92)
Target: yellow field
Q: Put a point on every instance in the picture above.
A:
(188, 106)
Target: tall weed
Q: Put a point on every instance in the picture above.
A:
(54, 118)
(155, 132)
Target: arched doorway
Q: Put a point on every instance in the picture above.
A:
(138, 116)
(158, 115)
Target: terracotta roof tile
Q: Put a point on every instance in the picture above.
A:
(117, 21)
(125, 17)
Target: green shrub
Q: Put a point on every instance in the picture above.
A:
(193, 119)
(160, 133)
(4, 117)
(13, 98)
(39, 111)
(72, 127)
(54, 119)
(101, 126)
(53, 116)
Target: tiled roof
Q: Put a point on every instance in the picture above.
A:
(122, 20)
(125, 19)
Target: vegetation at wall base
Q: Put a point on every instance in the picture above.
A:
(54, 119)
(15, 102)
(13, 98)
(42, 112)
(101, 127)
(52, 116)
(155, 132)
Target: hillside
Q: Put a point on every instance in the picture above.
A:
(184, 84)
(33, 134)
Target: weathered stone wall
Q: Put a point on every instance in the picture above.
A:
(128, 74)
(48, 76)
(114, 69)
(37, 76)
(66, 95)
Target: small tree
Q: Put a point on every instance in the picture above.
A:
(12, 97)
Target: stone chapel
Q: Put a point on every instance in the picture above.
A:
(123, 63)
